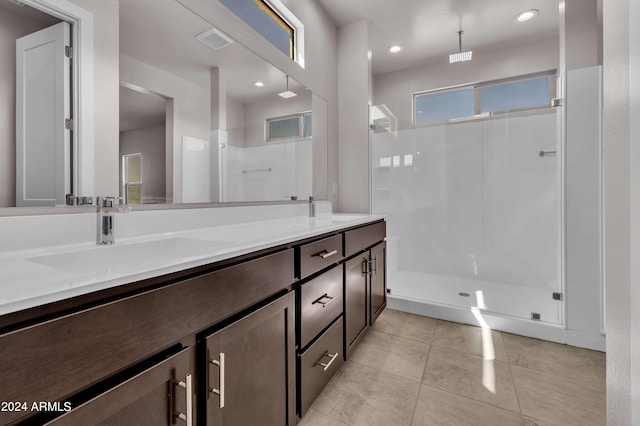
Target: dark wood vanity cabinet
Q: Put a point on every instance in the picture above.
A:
(338, 304)
(162, 394)
(365, 282)
(356, 295)
(251, 340)
(249, 369)
(88, 353)
(320, 334)
(378, 280)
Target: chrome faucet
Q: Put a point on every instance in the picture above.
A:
(106, 212)
(312, 207)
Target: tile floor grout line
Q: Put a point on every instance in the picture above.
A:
(398, 335)
(415, 406)
(515, 388)
(387, 372)
(471, 399)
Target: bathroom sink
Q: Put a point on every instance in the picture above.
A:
(346, 217)
(120, 258)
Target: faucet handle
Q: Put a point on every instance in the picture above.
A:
(107, 204)
(106, 201)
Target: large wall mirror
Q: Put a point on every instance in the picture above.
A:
(201, 118)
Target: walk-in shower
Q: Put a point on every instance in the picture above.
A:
(474, 213)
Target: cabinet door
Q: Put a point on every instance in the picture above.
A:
(355, 300)
(378, 280)
(160, 395)
(250, 368)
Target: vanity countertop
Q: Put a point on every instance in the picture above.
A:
(35, 277)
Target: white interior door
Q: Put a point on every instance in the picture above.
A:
(43, 170)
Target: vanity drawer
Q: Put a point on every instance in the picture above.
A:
(318, 364)
(364, 237)
(320, 303)
(319, 254)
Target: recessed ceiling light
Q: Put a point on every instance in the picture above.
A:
(394, 49)
(258, 83)
(526, 15)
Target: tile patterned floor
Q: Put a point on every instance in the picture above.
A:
(413, 370)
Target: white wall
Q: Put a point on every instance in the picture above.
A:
(191, 106)
(617, 226)
(150, 142)
(235, 122)
(354, 86)
(634, 138)
(106, 49)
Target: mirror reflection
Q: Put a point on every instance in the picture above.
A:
(201, 118)
(35, 95)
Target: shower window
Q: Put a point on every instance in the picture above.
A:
(516, 95)
(443, 106)
(297, 126)
(481, 100)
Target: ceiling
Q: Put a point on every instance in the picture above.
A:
(427, 29)
(162, 33)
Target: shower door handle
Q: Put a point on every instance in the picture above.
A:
(546, 153)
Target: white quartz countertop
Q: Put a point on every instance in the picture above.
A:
(34, 277)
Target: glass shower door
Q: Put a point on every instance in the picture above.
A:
(473, 212)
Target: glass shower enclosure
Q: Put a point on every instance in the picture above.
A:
(474, 211)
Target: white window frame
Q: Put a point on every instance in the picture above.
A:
(296, 24)
(477, 86)
(300, 116)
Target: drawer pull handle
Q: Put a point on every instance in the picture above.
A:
(187, 385)
(325, 254)
(323, 300)
(220, 390)
(327, 364)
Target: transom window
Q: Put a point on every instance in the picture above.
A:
(484, 99)
(263, 18)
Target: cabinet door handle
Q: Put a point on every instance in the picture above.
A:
(220, 390)
(325, 254)
(187, 385)
(367, 266)
(327, 364)
(322, 300)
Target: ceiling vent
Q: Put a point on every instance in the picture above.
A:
(214, 39)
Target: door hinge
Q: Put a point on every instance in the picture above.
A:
(68, 123)
(68, 51)
(557, 296)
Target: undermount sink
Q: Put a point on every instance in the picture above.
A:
(346, 217)
(123, 257)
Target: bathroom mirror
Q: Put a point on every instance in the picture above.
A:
(200, 113)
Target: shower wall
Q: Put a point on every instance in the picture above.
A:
(472, 206)
(267, 173)
(481, 198)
